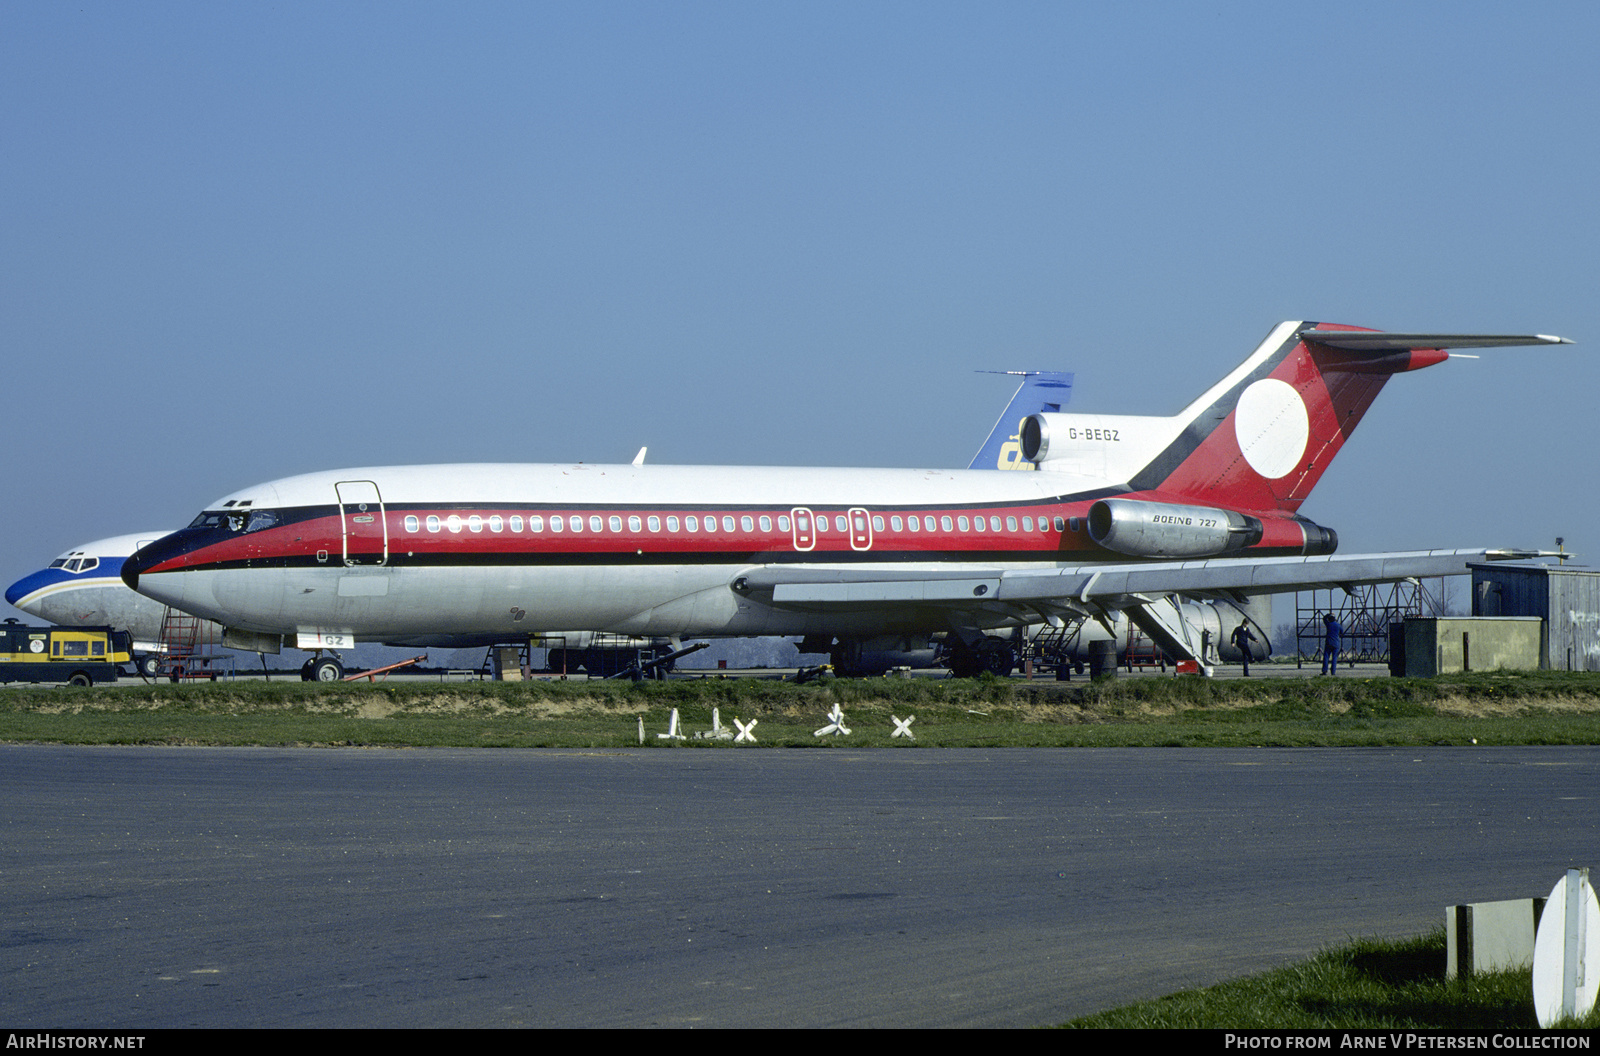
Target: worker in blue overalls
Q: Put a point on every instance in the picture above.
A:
(1331, 640)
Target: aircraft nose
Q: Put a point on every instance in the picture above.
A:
(131, 569)
(25, 586)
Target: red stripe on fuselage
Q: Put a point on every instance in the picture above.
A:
(322, 536)
(320, 539)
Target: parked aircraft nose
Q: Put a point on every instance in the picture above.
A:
(145, 558)
(19, 590)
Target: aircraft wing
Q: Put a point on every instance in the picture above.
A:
(1105, 585)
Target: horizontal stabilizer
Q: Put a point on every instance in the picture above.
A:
(1377, 341)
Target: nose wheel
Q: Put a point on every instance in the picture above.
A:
(322, 669)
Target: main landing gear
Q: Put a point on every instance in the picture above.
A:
(992, 654)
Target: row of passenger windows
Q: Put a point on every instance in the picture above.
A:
(728, 524)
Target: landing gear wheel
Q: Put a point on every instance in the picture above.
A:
(995, 656)
(326, 669)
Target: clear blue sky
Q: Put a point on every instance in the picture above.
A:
(242, 241)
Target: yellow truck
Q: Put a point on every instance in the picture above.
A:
(78, 656)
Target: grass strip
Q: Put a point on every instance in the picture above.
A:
(1367, 984)
(1531, 708)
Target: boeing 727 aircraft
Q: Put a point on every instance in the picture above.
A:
(1122, 513)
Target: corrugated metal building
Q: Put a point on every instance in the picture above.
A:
(1567, 599)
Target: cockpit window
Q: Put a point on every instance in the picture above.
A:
(259, 520)
(233, 520)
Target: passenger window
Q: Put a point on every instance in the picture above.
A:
(961, 522)
(453, 522)
(654, 522)
(672, 524)
(595, 523)
(412, 524)
(536, 523)
(877, 523)
(747, 523)
(1027, 524)
(556, 524)
(433, 522)
(516, 524)
(496, 524)
(1061, 524)
(614, 522)
(914, 523)
(727, 524)
(766, 523)
(944, 522)
(1011, 524)
(691, 523)
(475, 523)
(635, 525)
(783, 522)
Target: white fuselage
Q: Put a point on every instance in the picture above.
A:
(440, 554)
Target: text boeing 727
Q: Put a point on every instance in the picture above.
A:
(1124, 513)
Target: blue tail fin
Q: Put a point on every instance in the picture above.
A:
(1041, 391)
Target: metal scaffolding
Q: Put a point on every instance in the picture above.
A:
(1365, 613)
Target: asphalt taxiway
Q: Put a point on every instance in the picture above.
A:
(263, 887)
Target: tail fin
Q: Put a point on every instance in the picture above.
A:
(1262, 437)
(1041, 391)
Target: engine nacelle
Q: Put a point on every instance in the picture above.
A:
(1164, 529)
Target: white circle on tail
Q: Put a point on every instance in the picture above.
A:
(1272, 427)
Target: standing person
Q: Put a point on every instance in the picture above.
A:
(1241, 639)
(1332, 635)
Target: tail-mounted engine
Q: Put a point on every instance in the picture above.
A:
(1165, 529)
(1161, 529)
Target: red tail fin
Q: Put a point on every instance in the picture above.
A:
(1261, 438)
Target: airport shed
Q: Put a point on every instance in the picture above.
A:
(1566, 599)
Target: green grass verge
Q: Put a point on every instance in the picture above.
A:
(1369, 984)
(1487, 709)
